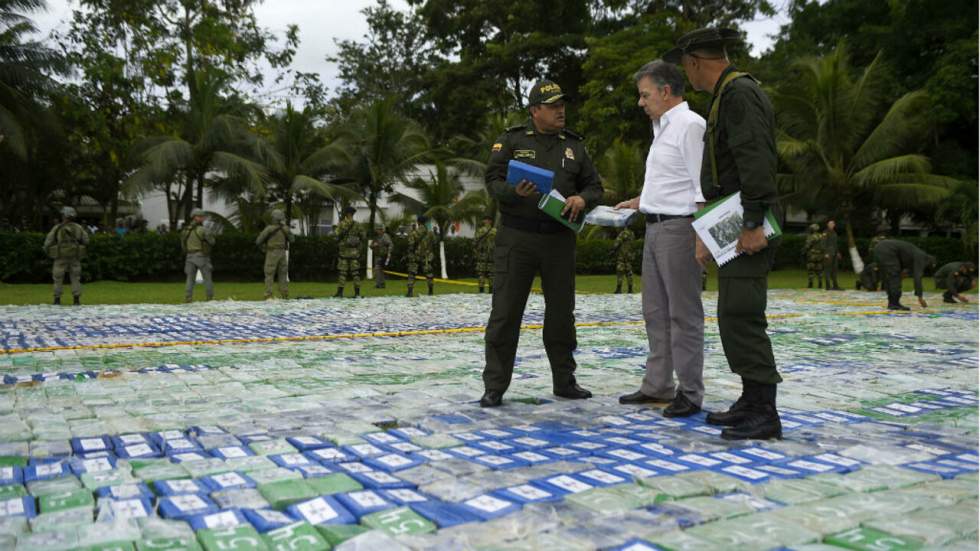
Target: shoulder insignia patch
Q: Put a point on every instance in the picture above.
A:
(569, 154)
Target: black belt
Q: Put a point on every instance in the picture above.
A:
(529, 225)
(657, 218)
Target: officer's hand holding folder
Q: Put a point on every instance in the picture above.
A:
(552, 202)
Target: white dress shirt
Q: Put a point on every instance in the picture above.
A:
(672, 182)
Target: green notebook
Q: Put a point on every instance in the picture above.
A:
(552, 205)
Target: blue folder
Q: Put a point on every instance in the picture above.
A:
(540, 177)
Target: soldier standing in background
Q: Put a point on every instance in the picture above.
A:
(813, 252)
(831, 256)
(421, 256)
(197, 242)
(350, 236)
(624, 259)
(381, 249)
(486, 236)
(275, 240)
(65, 244)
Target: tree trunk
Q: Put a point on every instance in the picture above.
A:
(373, 205)
(856, 261)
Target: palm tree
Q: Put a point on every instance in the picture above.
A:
(837, 145)
(441, 198)
(376, 147)
(25, 66)
(622, 168)
(209, 149)
(295, 159)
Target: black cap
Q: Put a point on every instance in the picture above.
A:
(422, 219)
(350, 210)
(544, 91)
(701, 38)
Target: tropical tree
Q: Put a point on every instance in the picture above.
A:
(208, 149)
(377, 146)
(440, 197)
(296, 159)
(837, 144)
(622, 168)
(25, 69)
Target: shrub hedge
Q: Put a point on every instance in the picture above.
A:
(142, 257)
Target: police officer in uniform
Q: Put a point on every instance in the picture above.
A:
(530, 242)
(739, 155)
(65, 244)
(197, 242)
(275, 240)
(421, 256)
(832, 257)
(381, 249)
(350, 236)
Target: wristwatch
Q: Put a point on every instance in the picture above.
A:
(750, 225)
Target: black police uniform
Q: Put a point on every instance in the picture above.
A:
(530, 242)
(894, 256)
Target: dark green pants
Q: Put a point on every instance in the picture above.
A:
(518, 257)
(742, 287)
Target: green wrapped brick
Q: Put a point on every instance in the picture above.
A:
(336, 483)
(239, 538)
(869, 539)
(75, 499)
(301, 536)
(284, 493)
(335, 534)
(398, 522)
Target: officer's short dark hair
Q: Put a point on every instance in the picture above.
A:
(710, 52)
(662, 74)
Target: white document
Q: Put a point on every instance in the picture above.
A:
(609, 217)
(720, 226)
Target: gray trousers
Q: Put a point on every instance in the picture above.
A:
(195, 262)
(673, 312)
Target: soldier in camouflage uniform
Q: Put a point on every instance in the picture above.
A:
(197, 242)
(813, 252)
(350, 236)
(870, 278)
(65, 244)
(381, 248)
(624, 259)
(421, 255)
(486, 237)
(275, 240)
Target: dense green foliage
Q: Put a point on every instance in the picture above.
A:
(149, 257)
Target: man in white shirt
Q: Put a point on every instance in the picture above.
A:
(671, 194)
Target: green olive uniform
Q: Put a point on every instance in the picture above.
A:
(530, 242)
(955, 278)
(745, 156)
(814, 252)
(870, 278)
(275, 240)
(197, 242)
(624, 259)
(894, 257)
(381, 249)
(486, 237)
(65, 244)
(350, 237)
(831, 259)
(421, 256)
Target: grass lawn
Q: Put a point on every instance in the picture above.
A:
(115, 292)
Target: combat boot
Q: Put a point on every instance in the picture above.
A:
(57, 301)
(481, 290)
(629, 287)
(357, 292)
(761, 420)
(411, 292)
(339, 293)
(619, 289)
(431, 288)
(490, 289)
(809, 283)
(285, 296)
(77, 301)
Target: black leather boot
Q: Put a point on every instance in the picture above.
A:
(357, 292)
(619, 288)
(411, 291)
(629, 287)
(736, 413)
(432, 288)
(339, 293)
(57, 301)
(761, 420)
(77, 301)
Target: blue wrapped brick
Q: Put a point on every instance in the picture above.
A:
(489, 507)
(91, 444)
(227, 481)
(229, 518)
(363, 502)
(179, 487)
(445, 515)
(266, 520)
(321, 510)
(181, 507)
(18, 507)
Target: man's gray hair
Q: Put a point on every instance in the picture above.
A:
(662, 74)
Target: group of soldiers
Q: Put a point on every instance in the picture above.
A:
(822, 254)
(66, 245)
